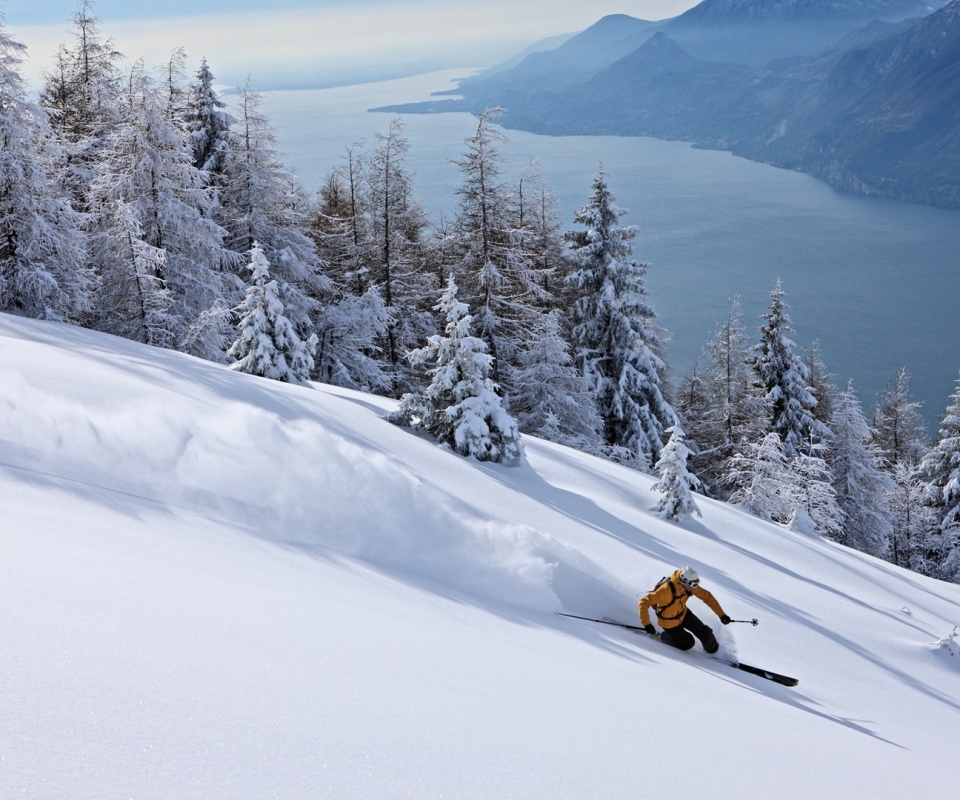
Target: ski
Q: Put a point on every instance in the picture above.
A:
(776, 677)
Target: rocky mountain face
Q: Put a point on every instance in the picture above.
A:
(877, 112)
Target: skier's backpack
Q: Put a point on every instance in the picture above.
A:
(673, 591)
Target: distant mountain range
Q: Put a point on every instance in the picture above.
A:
(864, 94)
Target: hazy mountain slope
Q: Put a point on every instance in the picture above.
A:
(219, 586)
(885, 119)
(755, 31)
(573, 62)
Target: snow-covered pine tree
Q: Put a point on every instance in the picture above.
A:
(146, 168)
(814, 494)
(209, 125)
(83, 89)
(396, 224)
(913, 522)
(461, 406)
(614, 342)
(176, 94)
(338, 228)
(551, 399)
(43, 270)
(863, 489)
(497, 274)
(718, 403)
(766, 484)
(268, 344)
(676, 484)
(135, 290)
(539, 232)
(695, 408)
(347, 331)
(820, 382)
(897, 423)
(783, 379)
(259, 202)
(941, 471)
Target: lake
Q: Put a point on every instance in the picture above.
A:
(876, 281)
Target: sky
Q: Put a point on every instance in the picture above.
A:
(219, 586)
(304, 44)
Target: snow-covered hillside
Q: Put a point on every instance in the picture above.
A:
(217, 586)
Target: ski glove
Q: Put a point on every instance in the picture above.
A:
(650, 629)
(725, 619)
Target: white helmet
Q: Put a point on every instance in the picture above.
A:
(689, 576)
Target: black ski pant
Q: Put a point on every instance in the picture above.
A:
(680, 637)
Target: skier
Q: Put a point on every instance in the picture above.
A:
(669, 600)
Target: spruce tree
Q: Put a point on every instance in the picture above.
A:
(338, 228)
(863, 488)
(941, 471)
(396, 224)
(814, 496)
(268, 344)
(765, 483)
(260, 203)
(209, 125)
(461, 406)
(719, 405)
(913, 521)
(897, 423)
(43, 270)
(614, 340)
(551, 399)
(83, 89)
(784, 381)
(497, 275)
(676, 484)
(146, 169)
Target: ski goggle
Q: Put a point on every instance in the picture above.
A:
(692, 584)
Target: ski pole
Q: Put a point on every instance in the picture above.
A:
(753, 622)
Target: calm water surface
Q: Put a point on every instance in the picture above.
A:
(876, 281)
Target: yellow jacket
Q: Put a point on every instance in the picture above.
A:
(669, 601)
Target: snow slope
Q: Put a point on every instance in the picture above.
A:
(217, 586)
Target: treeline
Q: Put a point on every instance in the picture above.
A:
(135, 203)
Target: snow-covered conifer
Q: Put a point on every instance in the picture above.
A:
(766, 484)
(814, 493)
(135, 291)
(718, 403)
(783, 379)
(551, 399)
(914, 536)
(539, 232)
(863, 488)
(676, 484)
(338, 227)
(347, 331)
(897, 423)
(614, 340)
(83, 89)
(396, 224)
(461, 406)
(498, 276)
(43, 270)
(820, 382)
(268, 344)
(209, 124)
(941, 471)
(260, 202)
(146, 167)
